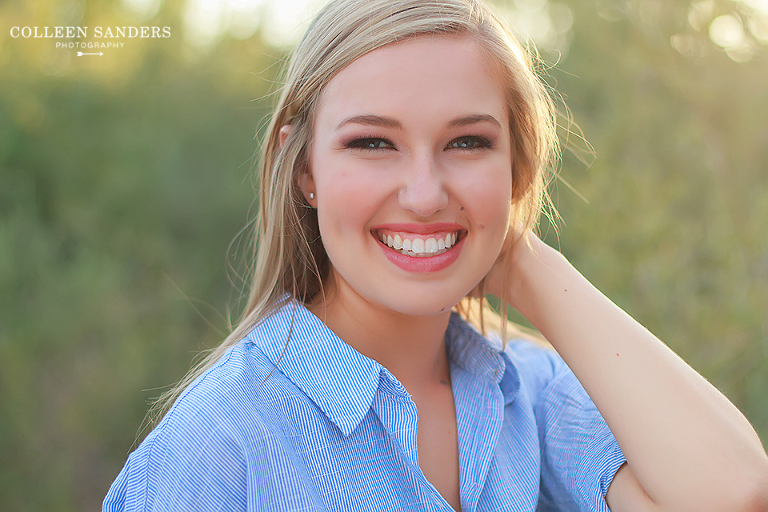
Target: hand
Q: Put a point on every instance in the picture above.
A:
(500, 279)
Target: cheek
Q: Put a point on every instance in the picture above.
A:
(347, 198)
(487, 196)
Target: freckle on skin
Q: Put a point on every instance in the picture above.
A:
(462, 208)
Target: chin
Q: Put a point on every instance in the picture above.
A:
(422, 304)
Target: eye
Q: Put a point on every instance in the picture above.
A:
(369, 144)
(470, 142)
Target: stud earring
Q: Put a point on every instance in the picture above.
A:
(311, 196)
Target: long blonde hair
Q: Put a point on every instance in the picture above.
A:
(289, 257)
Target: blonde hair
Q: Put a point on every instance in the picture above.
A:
(289, 257)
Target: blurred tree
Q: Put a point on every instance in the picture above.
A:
(123, 179)
(675, 231)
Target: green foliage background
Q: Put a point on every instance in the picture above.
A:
(124, 179)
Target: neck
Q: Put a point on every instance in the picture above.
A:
(411, 347)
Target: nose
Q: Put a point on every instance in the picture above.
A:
(423, 190)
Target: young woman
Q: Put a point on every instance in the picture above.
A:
(403, 171)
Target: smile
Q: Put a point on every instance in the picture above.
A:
(419, 246)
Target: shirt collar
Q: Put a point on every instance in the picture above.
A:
(341, 381)
(338, 379)
(482, 356)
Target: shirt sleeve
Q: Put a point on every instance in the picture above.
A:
(579, 454)
(182, 465)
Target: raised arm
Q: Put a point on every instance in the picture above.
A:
(687, 446)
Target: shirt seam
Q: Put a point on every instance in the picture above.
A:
(163, 427)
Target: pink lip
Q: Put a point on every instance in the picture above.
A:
(424, 264)
(422, 229)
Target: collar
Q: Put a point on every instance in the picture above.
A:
(483, 356)
(341, 381)
(337, 378)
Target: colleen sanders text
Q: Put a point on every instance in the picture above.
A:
(97, 32)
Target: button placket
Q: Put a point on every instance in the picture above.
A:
(479, 423)
(399, 416)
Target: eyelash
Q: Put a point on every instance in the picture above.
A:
(480, 143)
(364, 143)
(370, 143)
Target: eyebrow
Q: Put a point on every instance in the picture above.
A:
(371, 120)
(388, 122)
(473, 119)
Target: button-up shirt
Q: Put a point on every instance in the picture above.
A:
(307, 423)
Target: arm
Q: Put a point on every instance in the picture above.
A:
(687, 446)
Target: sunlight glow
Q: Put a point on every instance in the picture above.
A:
(286, 21)
(700, 14)
(547, 24)
(758, 27)
(739, 33)
(757, 5)
(726, 31)
(146, 9)
(282, 21)
(203, 22)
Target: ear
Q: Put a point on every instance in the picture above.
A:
(307, 187)
(284, 131)
(306, 182)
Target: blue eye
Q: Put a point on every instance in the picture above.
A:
(370, 144)
(470, 142)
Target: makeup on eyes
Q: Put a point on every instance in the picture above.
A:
(376, 143)
(471, 143)
(369, 143)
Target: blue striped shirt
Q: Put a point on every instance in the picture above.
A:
(332, 430)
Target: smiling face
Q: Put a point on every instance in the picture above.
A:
(410, 168)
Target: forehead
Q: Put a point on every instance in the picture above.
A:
(433, 76)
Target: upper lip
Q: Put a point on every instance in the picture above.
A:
(421, 229)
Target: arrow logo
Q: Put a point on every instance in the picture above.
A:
(80, 54)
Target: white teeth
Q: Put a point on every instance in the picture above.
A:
(419, 246)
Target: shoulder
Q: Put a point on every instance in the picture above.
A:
(549, 381)
(538, 365)
(197, 457)
(579, 454)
